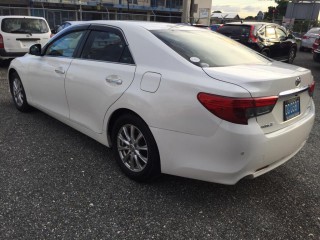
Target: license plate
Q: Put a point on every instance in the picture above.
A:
(28, 44)
(291, 108)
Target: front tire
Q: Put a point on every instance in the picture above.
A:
(292, 55)
(265, 53)
(135, 148)
(18, 94)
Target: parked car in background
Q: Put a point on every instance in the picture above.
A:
(309, 38)
(316, 44)
(316, 50)
(64, 25)
(316, 54)
(269, 39)
(214, 27)
(297, 36)
(209, 109)
(18, 33)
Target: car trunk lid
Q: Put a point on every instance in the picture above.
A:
(290, 83)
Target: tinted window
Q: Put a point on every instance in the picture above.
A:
(65, 46)
(280, 33)
(314, 30)
(262, 32)
(106, 46)
(235, 30)
(270, 32)
(208, 49)
(24, 25)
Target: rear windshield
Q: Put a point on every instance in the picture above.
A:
(24, 25)
(235, 30)
(208, 49)
(317, 31)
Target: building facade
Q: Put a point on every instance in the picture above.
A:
(58, 11)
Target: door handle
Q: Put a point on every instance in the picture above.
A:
(114, 79)
(59, 70)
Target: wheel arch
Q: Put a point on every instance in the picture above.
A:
(10, 73)
(114, 116)
(266, 50)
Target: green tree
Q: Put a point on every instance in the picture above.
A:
(250, 18)
(276, 12)
(268, 16)
(281, 8)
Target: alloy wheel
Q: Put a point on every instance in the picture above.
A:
(17, 92)
(291, 55)
(132, 148)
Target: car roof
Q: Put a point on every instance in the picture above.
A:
(143, 24)
(250, 23)
(74, 22)
(18, 16)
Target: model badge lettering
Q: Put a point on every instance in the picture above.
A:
(267, 125)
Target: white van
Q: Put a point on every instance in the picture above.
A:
(18, 33)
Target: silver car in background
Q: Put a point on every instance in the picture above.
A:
(309, 38)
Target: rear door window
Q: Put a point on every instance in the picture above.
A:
(24, 25)
(271, 32)
(106, 46)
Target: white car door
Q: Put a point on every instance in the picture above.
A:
(98, 77)
(48, 72)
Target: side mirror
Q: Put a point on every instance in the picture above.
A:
(35, 50)
(53, 31)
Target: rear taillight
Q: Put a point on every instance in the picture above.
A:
(315, 44)
(237, 110)
(305, 37)
(311, 88)
(252, 38)
(1, 42)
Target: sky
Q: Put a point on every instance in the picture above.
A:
(243, 7)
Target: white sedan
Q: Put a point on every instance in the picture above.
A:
(169, 98)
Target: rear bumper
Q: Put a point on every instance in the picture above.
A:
(306, 44)
(7, 55)
(233, 152)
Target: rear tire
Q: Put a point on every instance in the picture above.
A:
(135, 148)
(18, 94)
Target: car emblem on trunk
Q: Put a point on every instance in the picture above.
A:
(298, 81)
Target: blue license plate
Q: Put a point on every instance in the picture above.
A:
(291, 108)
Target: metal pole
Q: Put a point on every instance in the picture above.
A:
(191, 15)
(80, 10)
(185, 10)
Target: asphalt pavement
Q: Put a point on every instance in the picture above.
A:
(56, 183)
